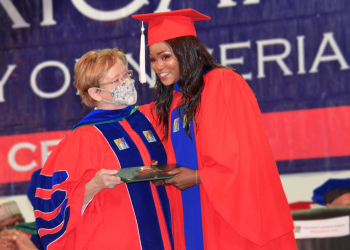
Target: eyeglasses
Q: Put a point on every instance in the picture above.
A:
(126, 74)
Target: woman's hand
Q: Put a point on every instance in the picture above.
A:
(154, 162)
(11, 221)
(158, 182)
(6, 242)
(103, 179)
(185, 178)
(16, 240)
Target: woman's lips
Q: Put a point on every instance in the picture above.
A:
(163, 75)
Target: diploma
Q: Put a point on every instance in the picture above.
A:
(146, 173)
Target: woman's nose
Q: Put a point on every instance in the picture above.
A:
(122, 78)
(125, 76)
(160, 65)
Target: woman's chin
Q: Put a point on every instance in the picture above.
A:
(167, 83)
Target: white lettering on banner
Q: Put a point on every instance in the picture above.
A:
(231, 3)
(47, 13)
(226, 3)
(277, 58)
(76, 60)
(4, 79)
(12, 155)
(246, 2)
(17, 19)
(301, 55)
(101, 15)
(95, 14)
(163, 6)
(261, 60)
(338, 56)
(45, 153)
(39, 67)
(321, 228)
(226, 62)
(151, 81)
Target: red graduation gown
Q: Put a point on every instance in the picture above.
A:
(109, 221)
(242, 200)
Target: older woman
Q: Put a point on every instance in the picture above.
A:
(80, 203)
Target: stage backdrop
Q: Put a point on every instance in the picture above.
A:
(294, 54)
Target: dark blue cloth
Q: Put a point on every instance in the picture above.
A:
(186, 155)
(31, 196)
(329, 185)
(128, 155)
(140, 193)
(177, 86)
(101, 115)
(36, 241)
(32, 186)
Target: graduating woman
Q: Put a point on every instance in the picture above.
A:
(232, 195)
(80, 203)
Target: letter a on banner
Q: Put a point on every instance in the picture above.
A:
(17, 19)
(338, 56)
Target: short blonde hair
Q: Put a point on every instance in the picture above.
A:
(91, 68)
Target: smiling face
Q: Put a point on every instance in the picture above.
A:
(164, 63)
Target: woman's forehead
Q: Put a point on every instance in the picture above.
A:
(158, 48)
(117, 69)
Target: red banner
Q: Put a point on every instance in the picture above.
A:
(20, 155)
(302, 134)
(312, 133)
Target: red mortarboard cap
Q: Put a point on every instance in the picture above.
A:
(167, 25)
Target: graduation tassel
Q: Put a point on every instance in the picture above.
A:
(142, 74)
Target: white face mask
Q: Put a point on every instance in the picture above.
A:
(124, 94)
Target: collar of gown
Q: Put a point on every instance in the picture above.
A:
(101, 115)
(177, 86)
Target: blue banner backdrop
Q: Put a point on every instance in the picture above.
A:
(293, 54)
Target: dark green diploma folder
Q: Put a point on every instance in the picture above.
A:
(146, 173)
